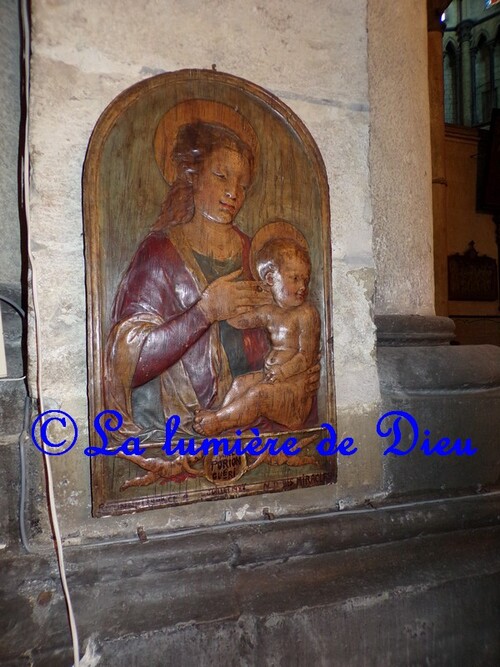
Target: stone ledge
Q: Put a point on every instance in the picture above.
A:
(391, 627)
(309, 606)
(405, 330)
(407, 371)
(452, 392)
(291, 537)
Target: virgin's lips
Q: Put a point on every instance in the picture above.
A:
(229, 207)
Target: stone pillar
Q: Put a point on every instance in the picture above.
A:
(447, 389)
(491, 51)
(464, 34)
(496, 53)
(496, 222)
(473, 54)
(400, 158)
(439, 183)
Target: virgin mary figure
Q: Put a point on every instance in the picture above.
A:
(170, 349)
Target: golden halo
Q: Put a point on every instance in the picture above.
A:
(277, 229)
(192, 111)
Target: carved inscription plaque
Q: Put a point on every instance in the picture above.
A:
(207, 236)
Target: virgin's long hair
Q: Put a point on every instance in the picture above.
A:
(195, 142)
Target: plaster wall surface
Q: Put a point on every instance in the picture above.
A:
(314, 57)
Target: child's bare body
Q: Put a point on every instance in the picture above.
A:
(294, 327)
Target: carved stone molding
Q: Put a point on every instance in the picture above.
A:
(464, 31)
(413, 330)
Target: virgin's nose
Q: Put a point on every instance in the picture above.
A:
(234, 190)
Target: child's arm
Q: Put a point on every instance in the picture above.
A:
(296, 364)
(257, 317)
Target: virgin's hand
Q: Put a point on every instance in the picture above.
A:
(313, 379)
(227, 297)
(310, 379)
(273, 375)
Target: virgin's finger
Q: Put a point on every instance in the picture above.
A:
(262, 297)
(231, 276)
(249, 285)
(314, 373)
(249, 304)
(242, 309)
(312, 385)
(253, 299)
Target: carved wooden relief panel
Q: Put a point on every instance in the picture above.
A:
(207, 237)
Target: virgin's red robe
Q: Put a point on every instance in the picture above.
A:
(159, 331)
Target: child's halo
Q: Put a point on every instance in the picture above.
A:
(276, 229)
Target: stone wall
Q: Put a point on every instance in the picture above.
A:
(283, 578)
(10, 250)
(12, 393)
(363, 95)
(315, 59)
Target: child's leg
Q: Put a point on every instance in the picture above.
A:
(273, 401)
(281, 402)
(241, 385)
(241, 411)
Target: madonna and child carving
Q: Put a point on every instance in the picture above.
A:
(218, 308)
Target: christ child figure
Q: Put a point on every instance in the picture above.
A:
(293, 324)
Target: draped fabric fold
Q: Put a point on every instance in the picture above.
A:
(159, 332)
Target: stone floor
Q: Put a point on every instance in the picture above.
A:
(389, 586)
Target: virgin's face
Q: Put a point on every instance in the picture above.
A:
(220, 187)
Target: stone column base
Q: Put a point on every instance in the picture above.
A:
(453, 391)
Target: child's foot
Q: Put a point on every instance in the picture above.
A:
(206, 422)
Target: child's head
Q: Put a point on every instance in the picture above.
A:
(284, 265)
